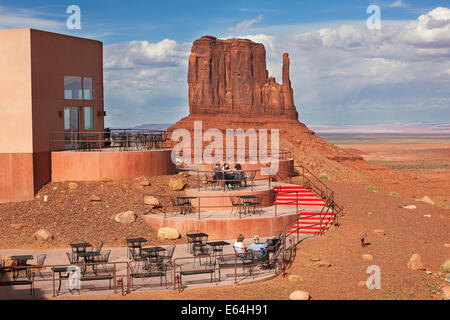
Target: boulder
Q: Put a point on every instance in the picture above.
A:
(415, 262)
(95, 198)
(126, 217)
(152, 201)
(299, 295)
(143, 181)
(410, 207)
(379, 232)
(367, 257)
(17, 226)
(446, 291)
(445, 267)
(295, 278)
(168, 233)
(73, 185)
(45, 198)
(177, 183)
(42, 235)
(426, 199)
(322, 264)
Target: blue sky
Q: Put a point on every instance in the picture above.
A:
(342, 72)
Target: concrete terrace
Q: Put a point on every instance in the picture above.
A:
(182, 257)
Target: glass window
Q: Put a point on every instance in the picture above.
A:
(87, 88)
(88, 118)
(72, 88)
(66, 119)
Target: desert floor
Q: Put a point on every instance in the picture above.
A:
(424, 230)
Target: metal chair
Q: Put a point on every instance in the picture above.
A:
(176, 206)
(103, 258)
(236, 204)
(72, 257)
(138, 258)
(39, 264)
(167, 258)
(200, 250)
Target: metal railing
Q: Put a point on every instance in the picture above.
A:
(205, 178)
(310, 181)
(113, 139)
(168, 207)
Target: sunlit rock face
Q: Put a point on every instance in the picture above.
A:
(230, 77)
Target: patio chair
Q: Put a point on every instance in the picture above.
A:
(246, 259)
(200, 250)
(143, 274)
(257, 203)
(214, 179)
(236, 204)
(72, 257)
(176, 206)
(39, 264)
(167, 258)
(138, 259)
(249, 176)
(103, 258)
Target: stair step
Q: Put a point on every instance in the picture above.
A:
(289, 187)
(303, 204)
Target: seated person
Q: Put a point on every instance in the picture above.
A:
(228, 176)
(218, 175)
(257, 246)
(239, 247)
(238, 174)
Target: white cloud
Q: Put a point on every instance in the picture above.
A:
(343, 73)
(145, 82)
(23, 18)
(398, 4)
(244, 25)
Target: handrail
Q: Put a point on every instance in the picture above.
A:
(122, 139)
(202, 177)
(199, 207)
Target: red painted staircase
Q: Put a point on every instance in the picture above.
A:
(310, 223)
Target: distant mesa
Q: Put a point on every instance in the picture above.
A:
(230, 77)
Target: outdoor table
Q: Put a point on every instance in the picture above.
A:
(135, 243)
(89, 258)
(153, 253)
(186, 203)
(21, 262)
(247, 202)
(78, 247)
(218, 248)
(196, 237)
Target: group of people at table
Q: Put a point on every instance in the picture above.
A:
(232, 177)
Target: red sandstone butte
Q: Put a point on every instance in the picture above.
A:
(230, 77)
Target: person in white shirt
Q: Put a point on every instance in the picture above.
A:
(240, 246)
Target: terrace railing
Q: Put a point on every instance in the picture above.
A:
(113, 139)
